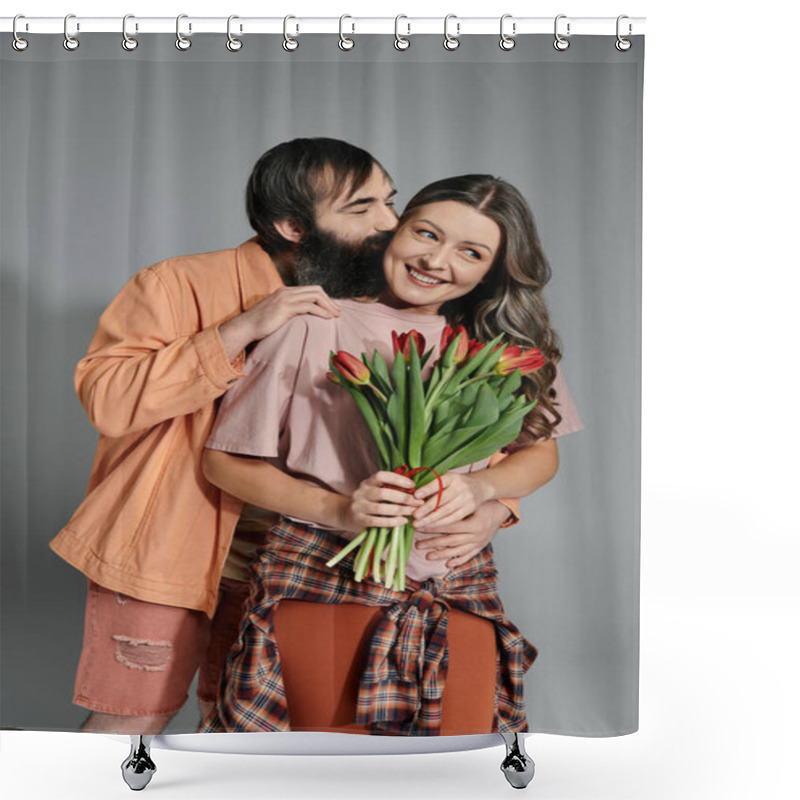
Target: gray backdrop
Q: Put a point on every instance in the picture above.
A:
(113, 160)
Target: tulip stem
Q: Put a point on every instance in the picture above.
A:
(378, 392)
(429, 401)
(477, 378)
(348, 549)
(377, 556)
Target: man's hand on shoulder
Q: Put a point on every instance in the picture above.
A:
(266, 316)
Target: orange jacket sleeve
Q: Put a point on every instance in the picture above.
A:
(143, 367)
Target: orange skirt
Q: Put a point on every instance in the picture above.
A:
(323, 647)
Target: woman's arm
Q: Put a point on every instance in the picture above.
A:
(373, 504)
(523, 472)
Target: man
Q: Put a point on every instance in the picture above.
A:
(152, 535)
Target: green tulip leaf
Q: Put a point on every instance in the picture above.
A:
(416, 410)
(379, 369)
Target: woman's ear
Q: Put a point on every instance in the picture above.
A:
(289, 230)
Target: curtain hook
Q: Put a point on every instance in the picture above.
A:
(128, 42)
(623, 44)
(233, 44)
(451, 42)
(344, 42)
(19, 44)
(560, 42)
(400, 42)
(289, 44)
(507, 42)
(181, 42)
(70, 42)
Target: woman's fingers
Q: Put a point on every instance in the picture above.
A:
(383, 495)
(432, 489)
(444, 516)
(451, 510)
(428, 507)
(390, 479)
(386, 510)
(382, 522)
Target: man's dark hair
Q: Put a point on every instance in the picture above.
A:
(289, 180)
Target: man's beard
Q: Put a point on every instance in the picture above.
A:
(340, 268)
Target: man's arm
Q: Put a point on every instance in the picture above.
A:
(139, 371)
(517, 475)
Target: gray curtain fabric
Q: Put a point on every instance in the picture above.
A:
(113, 160)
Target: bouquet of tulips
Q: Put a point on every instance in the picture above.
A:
(469, 407)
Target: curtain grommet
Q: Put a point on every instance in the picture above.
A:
(401, 42)
(560, 42)
(181, 42)
(129, 43)
(18, 43)
(233, 44)
(507, 42)
(622, 44)
(70, 42)
(290, 44)
(451, 42)
(345, 43)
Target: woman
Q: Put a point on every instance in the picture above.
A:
(465, 252)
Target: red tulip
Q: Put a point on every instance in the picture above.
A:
(352, 369)
(474, 348)
(331, 376)
(401, 342)
(449, 335)
(514, 358)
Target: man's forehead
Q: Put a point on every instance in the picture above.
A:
(376, 186)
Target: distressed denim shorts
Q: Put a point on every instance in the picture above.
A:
(139, 658)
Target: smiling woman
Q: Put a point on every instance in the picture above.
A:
(289, 440)
(441, 251)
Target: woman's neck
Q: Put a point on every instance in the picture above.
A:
(389, 299)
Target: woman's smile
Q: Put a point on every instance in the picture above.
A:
(441, 252)
(422, 278)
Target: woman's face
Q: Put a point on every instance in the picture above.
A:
(442, 251)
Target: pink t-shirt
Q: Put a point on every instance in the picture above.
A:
(286, 410)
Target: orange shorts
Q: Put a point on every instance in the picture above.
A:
(139, 658)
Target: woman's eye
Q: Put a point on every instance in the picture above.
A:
(426, 234)
(472, 253)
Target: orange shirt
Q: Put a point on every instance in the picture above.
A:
(151, 526)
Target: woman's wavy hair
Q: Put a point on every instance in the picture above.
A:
(509, 300)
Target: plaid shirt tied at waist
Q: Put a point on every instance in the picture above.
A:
(406, 667)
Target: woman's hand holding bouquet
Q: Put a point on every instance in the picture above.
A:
(470, 406)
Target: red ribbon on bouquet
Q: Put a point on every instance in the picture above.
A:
(408, 472)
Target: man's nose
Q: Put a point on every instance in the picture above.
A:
(387, 219)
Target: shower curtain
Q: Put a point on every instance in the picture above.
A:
(113, 160)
